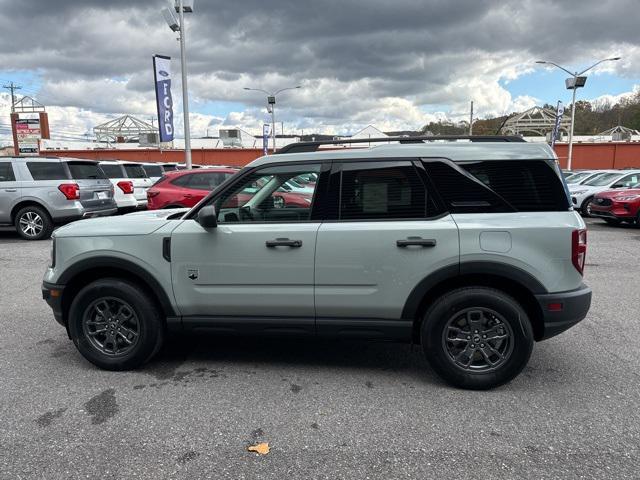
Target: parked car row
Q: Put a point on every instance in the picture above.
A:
(613, 195)
(38, 193)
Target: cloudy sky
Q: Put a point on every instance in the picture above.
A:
(395, 64)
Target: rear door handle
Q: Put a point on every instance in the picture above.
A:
(10, 189)
(416, 241)
(283, 242)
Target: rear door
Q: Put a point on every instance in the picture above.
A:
(386, 236)
(96, 190)
(10, 190)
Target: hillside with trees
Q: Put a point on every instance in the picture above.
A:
(591, 118)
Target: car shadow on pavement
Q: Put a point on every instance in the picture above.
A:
(294, 352)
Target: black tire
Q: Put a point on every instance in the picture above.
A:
(508, 316)
(150, 326)
(614, 222)
(33, 223)
(585, 209)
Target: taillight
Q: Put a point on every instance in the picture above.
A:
(579, 249)
(125, 186)
(70, 190)
(151, 193)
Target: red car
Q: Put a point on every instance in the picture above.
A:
(615, 206)
(185, 188)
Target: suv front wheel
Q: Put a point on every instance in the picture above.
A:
(477, 337)
(115, 325)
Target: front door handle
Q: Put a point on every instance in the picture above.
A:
(283, 242)
(416, 241)
(10, 189)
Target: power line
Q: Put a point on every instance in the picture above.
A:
(12, 87)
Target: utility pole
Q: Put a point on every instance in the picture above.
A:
(471, 120)
(185, 94)
(12, 87)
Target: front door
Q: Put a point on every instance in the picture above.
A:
(254, 271)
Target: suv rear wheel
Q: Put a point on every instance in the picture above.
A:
(33, 223)
(115, 325)
(477, 337)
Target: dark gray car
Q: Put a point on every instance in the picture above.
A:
(36, 193)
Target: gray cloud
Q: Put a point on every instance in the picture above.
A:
(349, 54)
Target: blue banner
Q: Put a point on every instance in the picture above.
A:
(162, 76)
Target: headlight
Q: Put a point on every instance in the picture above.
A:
(52, 260)
(627, 198)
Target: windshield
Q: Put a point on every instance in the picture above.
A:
(578, 177)
(85, 170)
(602, 180)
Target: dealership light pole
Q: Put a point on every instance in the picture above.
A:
(271, 108)
(576, 81)
(182, 7)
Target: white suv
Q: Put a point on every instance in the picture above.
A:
(470, 248)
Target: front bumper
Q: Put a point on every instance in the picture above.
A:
(563, 310)
(52, 294)
(617, 210)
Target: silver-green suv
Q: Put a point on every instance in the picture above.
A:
(470, 248)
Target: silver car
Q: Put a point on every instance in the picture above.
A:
(37, 193)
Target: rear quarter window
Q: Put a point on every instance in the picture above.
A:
(6, 172)
(113, 170)
(527, 185)
(500, 186)
(47, 171)
(153, 170)
(85, 170)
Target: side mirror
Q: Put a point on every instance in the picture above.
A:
(207, 217)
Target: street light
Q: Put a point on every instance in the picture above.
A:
(576, 81)
(178, 25)
(271, 108)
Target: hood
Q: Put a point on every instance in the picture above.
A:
(133, 224)
(157, 213)
(619, 192)
(581, 188)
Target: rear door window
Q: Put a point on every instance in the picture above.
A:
(135, 171)
(381, 190)
(47, 171)
(85, 170)
(6, 172)
(112, 170)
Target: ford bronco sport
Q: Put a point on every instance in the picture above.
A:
(468, 246)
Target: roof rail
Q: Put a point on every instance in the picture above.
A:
(301, 147)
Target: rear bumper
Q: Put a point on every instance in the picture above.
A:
(563, 310)
(52, 294)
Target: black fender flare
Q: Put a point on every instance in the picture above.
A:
(121, 264)
(451, 272)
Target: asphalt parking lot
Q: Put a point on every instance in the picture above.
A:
(345, 410)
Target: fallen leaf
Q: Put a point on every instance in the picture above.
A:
(261, 448)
